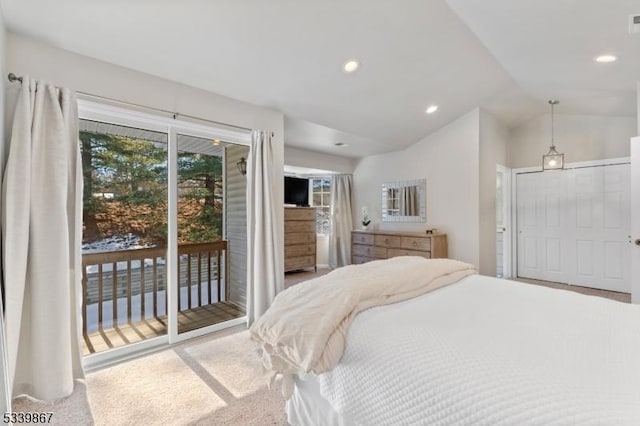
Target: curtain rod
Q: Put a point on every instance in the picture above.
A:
(13, 78)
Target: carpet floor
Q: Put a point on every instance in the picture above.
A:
(613, 295)
(214, 380)
(296, 277)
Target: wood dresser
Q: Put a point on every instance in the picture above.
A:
(299, 238)
(372, 245)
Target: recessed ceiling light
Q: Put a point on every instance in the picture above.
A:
(340, 144)
(216, 142)
(350, 66)
(605, 59)
(432, 109)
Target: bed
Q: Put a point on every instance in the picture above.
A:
(481, 351)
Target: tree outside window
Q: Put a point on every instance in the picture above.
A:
(321, 199)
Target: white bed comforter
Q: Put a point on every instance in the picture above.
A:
(305, 327)
(492, 352)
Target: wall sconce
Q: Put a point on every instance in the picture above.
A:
(242, 166)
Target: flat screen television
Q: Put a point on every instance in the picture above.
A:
(296, 191)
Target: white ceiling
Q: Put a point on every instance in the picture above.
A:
(307, 135)
(285, 54)
(549, 47)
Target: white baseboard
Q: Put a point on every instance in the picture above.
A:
(322, 266)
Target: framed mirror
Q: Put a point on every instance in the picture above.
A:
(404, 201)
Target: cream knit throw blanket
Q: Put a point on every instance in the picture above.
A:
(305, 328)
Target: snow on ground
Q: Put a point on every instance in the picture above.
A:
(114, 243)
(117, 243)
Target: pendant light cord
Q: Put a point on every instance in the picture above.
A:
(553, 103)
(553, 145)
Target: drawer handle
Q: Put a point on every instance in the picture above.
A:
(415, 244)
(386, 241)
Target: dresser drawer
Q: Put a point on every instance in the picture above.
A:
(370, 251)
(299, 250)
(387, 241)
(299, 262)
(359, 238)
(404, 252)
(357, 260)
(300, 226)
(371, 245)
(416, 243)
(299, 238)
(299, 214)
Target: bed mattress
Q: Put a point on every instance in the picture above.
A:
(483, 351)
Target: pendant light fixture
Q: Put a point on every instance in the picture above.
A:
(552, 160)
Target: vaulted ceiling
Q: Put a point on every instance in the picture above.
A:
(508, 56)
(549, 48)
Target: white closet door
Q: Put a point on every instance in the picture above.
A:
(634, 235)
(552, 198)
(573, 226)
(599, 224)
(542, 251)
(617, 227)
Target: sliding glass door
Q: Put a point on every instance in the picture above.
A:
(204, 183)
(163, 255)
(124, 235)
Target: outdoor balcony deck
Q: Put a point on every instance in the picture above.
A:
(188, 320)
(136, 281)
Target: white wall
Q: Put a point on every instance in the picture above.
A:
(494, 136)
(84, 74)
(322, 251)
(316, 160)
(448, 159)
(579, 137)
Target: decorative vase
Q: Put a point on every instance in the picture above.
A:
(365, 227)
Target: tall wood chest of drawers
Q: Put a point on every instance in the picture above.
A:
(372, 245)
(299, 238)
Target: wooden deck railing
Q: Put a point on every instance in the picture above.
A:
(122, 275)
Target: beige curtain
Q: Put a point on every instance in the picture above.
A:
(341, 221)
(265, 271)
(42, 232)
